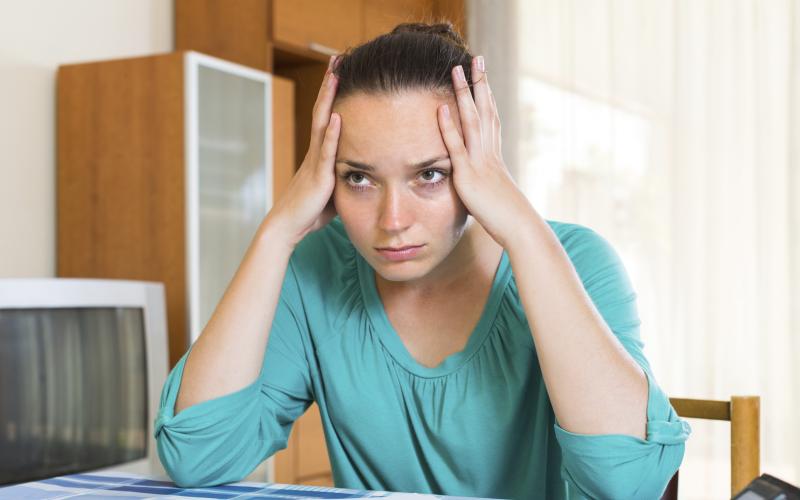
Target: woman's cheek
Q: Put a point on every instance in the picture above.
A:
(341, 196)
(349, 204)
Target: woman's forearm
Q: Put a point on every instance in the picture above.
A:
(595, 386)
(230, 351)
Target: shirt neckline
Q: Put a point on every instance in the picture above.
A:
(391, 340)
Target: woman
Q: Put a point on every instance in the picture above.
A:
(497, 356)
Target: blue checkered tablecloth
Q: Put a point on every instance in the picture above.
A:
(112, 484)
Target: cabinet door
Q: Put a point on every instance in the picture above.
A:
(229, 174)
(320, 25)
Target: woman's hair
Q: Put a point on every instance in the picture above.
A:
(413, 56)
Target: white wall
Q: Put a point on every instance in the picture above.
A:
(36, 36)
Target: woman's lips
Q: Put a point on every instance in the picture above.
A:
(404, 253)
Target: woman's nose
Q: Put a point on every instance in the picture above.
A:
(395, 212)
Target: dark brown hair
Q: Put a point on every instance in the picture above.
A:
(413, 56)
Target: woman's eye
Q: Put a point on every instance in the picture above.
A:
(353, 180)
(429, 176)
(356, 178)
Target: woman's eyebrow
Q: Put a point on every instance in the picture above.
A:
(369, 168)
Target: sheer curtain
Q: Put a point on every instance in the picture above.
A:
(673, 129)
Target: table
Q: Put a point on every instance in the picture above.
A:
(111, 484)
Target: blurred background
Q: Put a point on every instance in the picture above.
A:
(671, 127)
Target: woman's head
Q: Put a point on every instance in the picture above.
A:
(388, 93)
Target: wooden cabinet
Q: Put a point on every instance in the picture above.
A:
(267, 34)
(308, 24)
(166, 165)
(235, 31)
(156, 156)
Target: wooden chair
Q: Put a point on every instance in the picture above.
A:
(743, 412)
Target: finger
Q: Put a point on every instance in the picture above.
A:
(330, 143)
(483, 101)
(322, 87)
(322, 107)
(470, 122)
(452, 139)
(496, 127)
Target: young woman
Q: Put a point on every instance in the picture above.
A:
(455, 341)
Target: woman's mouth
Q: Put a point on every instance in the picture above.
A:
(395, 254)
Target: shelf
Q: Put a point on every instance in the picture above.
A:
(286, 55)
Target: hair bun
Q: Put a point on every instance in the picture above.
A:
(444, 29)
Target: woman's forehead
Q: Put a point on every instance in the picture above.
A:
(374, 126)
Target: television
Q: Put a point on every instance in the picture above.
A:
(82, 365)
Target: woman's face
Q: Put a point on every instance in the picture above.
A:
(394, 201)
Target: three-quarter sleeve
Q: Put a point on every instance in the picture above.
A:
(619, 466)
(223, 439)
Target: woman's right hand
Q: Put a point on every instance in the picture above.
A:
(307, 205)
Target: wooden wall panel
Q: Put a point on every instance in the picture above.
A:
(335, 25)
(311, 446)
(454, 11)
(305, 459)
(381, 16)
(120, 177)
(307, 79)
(236, 31)
(283, 135)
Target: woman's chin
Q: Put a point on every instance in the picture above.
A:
(399, 271)
(408, 270)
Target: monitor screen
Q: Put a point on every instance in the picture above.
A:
(73, 390)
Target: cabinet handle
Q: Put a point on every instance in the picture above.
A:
(324, 49)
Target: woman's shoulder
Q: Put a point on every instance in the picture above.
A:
(575, 236)
(598, 264)
(567, 230)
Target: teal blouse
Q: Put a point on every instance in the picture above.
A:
(478, 424)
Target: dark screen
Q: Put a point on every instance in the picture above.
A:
(73, 390)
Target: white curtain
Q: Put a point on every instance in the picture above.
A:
(673, 129)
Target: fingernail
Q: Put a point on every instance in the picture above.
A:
(480, 63)
(330, 62)
(331, 80)
(460, 74)
(446, 111)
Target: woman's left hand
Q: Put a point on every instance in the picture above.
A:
(480, 176)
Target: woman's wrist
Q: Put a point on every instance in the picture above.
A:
(275, 232)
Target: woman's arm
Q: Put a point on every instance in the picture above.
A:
(618, 434)
(230, 352)
(595, 386)
(221, 440)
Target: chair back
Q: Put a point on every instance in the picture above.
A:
(743, 412)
